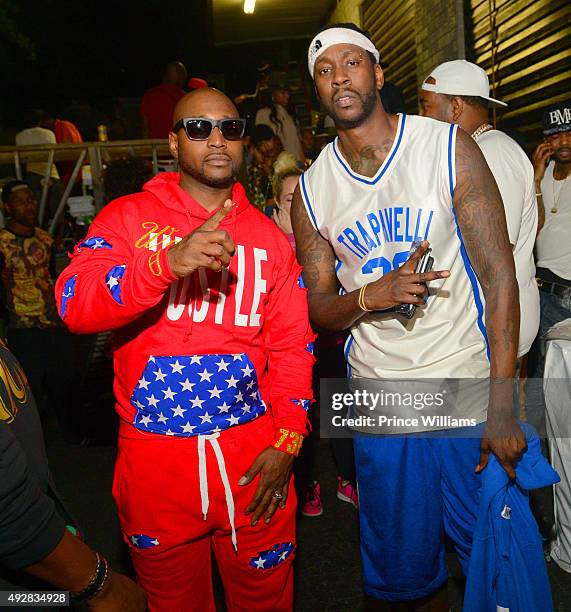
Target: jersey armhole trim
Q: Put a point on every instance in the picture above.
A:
(308, 206)
(452, 159)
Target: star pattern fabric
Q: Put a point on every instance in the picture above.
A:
(95, 242)
(66, 295)
(277, 554)
(196, 394)
(302, 403)
(113, 282)
(140, 540)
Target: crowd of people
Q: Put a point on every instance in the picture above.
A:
(230, 300)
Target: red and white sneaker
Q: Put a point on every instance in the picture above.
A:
(347, 492)
(312, 505)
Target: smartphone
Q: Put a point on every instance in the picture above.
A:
(424, 265)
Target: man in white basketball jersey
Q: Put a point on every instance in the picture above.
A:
(387, 181)
(459, 92)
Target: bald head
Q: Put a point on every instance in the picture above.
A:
(175, 74)
(205, 102)
(213, 160)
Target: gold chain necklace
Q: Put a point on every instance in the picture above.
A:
(556, 198)
(480, 130)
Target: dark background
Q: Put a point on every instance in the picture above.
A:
(91, 60)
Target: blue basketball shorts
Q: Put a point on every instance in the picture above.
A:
(412, 491)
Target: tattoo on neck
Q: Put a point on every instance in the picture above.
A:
(370, 158)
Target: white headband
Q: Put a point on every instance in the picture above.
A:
(337, 36)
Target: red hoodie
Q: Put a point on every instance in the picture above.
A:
(200, 354)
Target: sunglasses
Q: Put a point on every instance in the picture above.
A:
(200, 128)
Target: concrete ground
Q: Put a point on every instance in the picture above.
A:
(328, 574)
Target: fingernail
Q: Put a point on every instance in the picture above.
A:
(242, 481)
(267, 521)
(254, 523)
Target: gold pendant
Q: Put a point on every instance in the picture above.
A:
(554, 210)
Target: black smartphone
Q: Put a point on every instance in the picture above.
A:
(424, 265)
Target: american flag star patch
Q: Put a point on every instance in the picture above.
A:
(196, 394)
(270, 558)
(140, 540)
(113, 282)
(302, 403)
(66, 295)
(95, 242)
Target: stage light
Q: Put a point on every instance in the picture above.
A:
(249, 6)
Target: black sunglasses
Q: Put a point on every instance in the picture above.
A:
(200, 128)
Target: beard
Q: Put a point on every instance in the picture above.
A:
(218, 182)
(368, 102)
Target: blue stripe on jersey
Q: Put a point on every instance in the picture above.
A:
(463, 252)
(307, 202)
(348, 344)
(382, 169)
(451, 174)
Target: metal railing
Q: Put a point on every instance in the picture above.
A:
(97, 153)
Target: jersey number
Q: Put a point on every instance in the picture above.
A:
(385, 264)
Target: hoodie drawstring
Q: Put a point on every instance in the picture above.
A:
(203, 479)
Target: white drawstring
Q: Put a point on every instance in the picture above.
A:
(212, 438)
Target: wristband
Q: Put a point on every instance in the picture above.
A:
(289, 442)
(539, 195)
(361, 300)
(95, 584)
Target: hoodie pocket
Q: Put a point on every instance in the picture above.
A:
(190, 395)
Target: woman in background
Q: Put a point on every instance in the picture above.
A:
(330, 364)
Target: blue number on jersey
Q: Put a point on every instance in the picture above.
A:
(385, 264)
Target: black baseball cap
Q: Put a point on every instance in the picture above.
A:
(557, 118)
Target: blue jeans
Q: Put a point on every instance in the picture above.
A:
(552, 311)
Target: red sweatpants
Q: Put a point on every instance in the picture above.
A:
(157, 491)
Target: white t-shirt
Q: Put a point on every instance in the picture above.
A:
(37, 136)
(286, 130)
(514, 175)
(553, 243)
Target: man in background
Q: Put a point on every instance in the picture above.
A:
(35, 175)
(459, 92)
(158, 102)
(552, 170)
(65, 132)
(33, 328)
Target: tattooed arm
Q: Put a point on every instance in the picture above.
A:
(482, 222)
(328, 309)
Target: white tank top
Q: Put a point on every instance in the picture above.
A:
(371, 224)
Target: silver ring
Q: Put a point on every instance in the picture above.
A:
(278, 495)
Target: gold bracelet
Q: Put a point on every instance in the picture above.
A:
(361, 300)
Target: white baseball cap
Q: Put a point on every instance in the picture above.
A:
(461, 78)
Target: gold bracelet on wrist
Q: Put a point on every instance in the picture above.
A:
(361, 300)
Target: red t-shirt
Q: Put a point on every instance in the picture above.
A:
(157, 106)
(66, 131)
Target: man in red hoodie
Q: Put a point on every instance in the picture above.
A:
(213, 370)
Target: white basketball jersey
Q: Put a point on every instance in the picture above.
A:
(371, 224)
